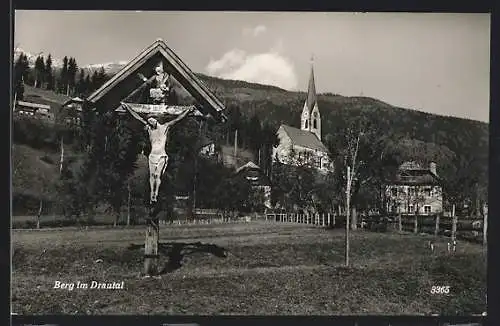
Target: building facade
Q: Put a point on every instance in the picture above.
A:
(35, 110)
(415, 190)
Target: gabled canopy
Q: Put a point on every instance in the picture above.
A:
(124, 82)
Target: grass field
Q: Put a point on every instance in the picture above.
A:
(253, 268)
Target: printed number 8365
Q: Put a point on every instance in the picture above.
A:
(440, 290)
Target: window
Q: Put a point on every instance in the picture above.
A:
(411, 209)
(411, 191)
(394, 192)
(428, 192)
(427, 209)
(306, 124)
(315, 125)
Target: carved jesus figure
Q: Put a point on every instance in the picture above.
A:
(158, 136)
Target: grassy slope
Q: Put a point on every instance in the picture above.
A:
(270, 269)
(32, 172)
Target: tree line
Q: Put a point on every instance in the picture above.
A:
(68, 79)
(391, 136)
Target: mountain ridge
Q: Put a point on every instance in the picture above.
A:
(214, 84)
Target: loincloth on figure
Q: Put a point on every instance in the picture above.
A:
(155, 160)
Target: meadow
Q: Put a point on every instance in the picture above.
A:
(262, 268)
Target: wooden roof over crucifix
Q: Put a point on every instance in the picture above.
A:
(126, 81)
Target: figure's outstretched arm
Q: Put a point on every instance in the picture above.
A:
(181, 116)
(134, 114)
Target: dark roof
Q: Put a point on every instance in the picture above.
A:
(249, 165)
(411, 173)
(304, 138)
(33, 105)
(311, 92)
(126, 81)
(253, 174)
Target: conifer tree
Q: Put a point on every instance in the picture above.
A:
(49, 76)
(63, 78)
(80, 84)
(72, 71)
(39, 72)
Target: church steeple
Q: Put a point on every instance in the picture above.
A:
(311, 89)
(311, 119)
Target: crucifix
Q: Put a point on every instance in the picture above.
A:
(158, 133)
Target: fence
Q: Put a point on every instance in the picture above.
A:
(210, 216)
(466, 228)
(198, 217)
(316, 219)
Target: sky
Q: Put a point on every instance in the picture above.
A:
(432, 62)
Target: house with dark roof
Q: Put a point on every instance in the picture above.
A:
(415, 190)
(258, 180)
(35, 110)
(299, 146)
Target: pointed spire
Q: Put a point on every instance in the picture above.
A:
(311, 89)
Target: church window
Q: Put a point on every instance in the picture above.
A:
(315, 125)
(306, 125)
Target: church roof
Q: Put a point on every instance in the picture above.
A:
(311, 91)
(304, 138)
(126, 80)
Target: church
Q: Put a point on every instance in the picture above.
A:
(299, 146)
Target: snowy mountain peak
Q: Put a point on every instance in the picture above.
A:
(109, 67)
(56, 62)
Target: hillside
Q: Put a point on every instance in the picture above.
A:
(428, 135)
(277, 106)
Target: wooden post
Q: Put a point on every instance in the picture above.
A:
(323, 216)
(485, 228)
(128, 204)
(453, 224)
(348, 198)
(354, 219)
(14, 104)
(61, 160)
(415, 223)
(329, 220)
(333, 219)
(40, 208)
(151, 247)
(436, 229)
(400, 223)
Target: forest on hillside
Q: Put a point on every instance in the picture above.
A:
(108, 149)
